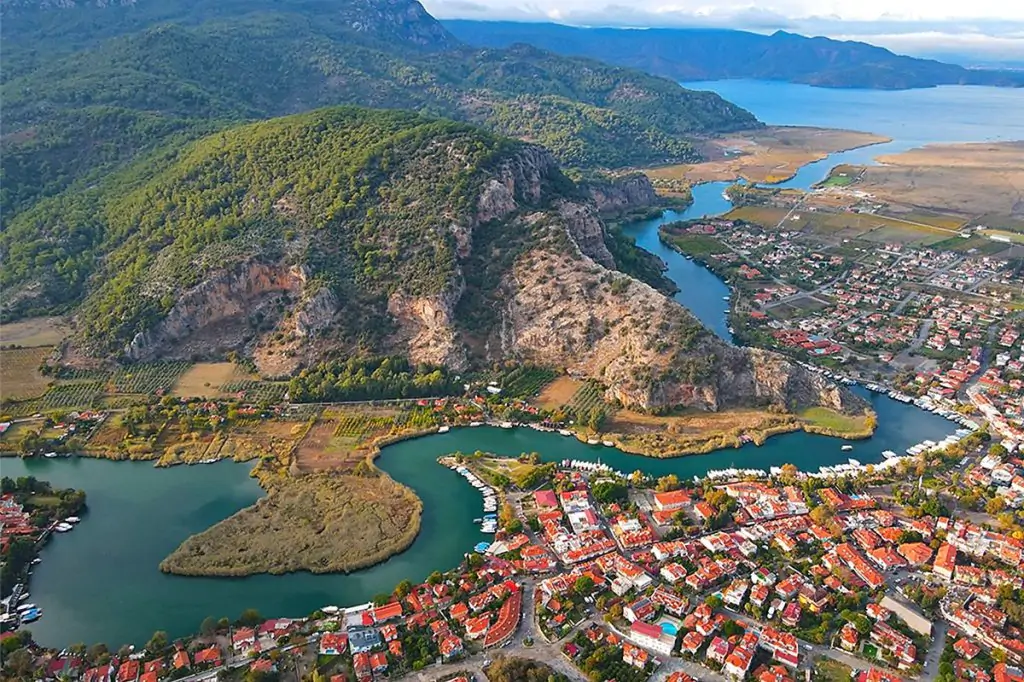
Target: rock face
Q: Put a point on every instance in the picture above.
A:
(621, 194)
(551, 296)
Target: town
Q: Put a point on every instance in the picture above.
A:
(604, 575)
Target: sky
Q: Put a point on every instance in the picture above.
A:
(977, 31)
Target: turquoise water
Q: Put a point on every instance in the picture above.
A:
(101, 581)
(668, 626)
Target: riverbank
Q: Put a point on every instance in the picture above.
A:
(768, 155)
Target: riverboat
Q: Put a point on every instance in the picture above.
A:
(444, 429)
(846, 448)
(30, 616)
(63, 527)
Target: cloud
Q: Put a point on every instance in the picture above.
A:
(990, 30)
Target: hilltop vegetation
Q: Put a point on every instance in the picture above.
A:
(87, 89)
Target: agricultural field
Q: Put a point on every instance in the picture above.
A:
(20, 377)
(834, 422)
(558, 392)
(587, 405)
(206, 379)
(765, 216)
(36, 331)
(697, 245)
(257, 391)
(525, 381)
(342, 438)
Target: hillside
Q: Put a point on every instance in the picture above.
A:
(712, 54)
(88, 87)
(347, 230)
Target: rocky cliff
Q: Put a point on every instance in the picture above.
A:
(614, 195)
(447, 245)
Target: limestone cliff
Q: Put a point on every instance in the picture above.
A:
(614, 195)
(457, 249)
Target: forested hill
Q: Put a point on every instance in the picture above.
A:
(684, 54)
(89, 86)
(347, 231)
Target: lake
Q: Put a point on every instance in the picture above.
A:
(100, 582)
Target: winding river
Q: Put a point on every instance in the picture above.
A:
(101, 581)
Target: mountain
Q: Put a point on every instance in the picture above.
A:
(89, 86)
(348, 230)
(685, 54)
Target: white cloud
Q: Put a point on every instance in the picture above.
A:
(987, 29)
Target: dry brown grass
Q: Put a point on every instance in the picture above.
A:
(558, 392)
(965, 179)
(36, 331)
(204, 379)
(20, 377)
(318, 522)
(767, 155)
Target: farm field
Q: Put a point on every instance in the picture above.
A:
(697, 245)
(525, 381)
(558, 392)
(206, 380)
(342, 438)
(20, 377)
(587, 405)
(844, 225)
(36, 331)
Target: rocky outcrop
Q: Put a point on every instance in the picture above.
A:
(427, 328)
(624, 193)
(218, 313)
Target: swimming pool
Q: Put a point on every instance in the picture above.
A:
(670, 626)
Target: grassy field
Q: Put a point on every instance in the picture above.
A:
(824, 418)
(845, 225)
(693, 432)
(697, 245)
(36, 331)
(342, 438)
(20, 377)
(828, 670)
(765, 216)
(1016, 237)
(206, 380)
(316, 522)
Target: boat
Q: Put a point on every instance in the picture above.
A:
(37, 560)
(506, 425)
(63, 527)
(50, 455)
(853, 462)
(72, 519)
(489, 527)
(481, 546)
(846, 448)
(476, 423)
(444, 429)
(725, 298)
(33, 615)
(26, 607)
(607, 443)
(23, 596)
(593, 441)
(564, 432)
(330, 610)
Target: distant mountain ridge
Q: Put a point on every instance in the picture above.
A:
(88, 86)
(685, 54)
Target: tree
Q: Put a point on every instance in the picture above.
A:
(208, 627)
(381, 599)
(435, 578)
(609, 491)
(667, 483)
(994, 506)
(584, 585)
(158, 642)
(250, 617)
(403, 588)
(20, 663)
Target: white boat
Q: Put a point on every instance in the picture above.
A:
(564, 432)
(607, 443)
(846, 448)
(72, 519)
(476, 423)
(26, 607)
(444, 429)
(330, 610)
(593, 441)
(30, 616)
(63, 527)
(23, 596)
(37, 560)
(853, 462)
(888, 454)
(506, 425)
(725, 298)
(50, 455)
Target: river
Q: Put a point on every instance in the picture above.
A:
(100, 582)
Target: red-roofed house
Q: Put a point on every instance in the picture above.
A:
(333, 643)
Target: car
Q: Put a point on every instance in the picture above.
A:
(808, 647)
